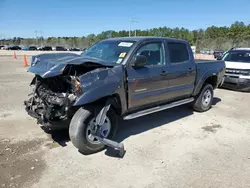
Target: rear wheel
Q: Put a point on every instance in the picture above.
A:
(80, 129)
(204, 99)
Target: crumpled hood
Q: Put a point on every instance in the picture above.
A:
(49, 65)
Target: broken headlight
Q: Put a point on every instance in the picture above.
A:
(77, 87)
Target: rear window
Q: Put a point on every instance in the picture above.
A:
(178, 52)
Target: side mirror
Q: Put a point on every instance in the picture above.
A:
(139, 61)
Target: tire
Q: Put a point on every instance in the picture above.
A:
(79, 127)
(199, 104)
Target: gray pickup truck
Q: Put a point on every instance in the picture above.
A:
(125, 77)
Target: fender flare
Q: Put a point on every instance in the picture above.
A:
(202, 80)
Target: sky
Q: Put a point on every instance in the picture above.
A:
(22, 18)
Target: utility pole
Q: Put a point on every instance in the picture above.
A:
(36, 37)
(1, 39)
(131, 20)
(134, 21)
(41, 37)
(109, 35)
(129, 25)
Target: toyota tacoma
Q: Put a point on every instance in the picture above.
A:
(126, 77)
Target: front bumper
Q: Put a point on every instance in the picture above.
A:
(47, 125)
(236, 82)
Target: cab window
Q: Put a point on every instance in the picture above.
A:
(178, 52)
(154, 52)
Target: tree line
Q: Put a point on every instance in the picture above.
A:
(238, 34)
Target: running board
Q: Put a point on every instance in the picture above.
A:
(158, 108)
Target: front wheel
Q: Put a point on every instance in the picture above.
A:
(80, 129)
(204, 99)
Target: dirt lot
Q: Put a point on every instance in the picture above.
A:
(174, 148)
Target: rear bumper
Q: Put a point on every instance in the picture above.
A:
(236, 82)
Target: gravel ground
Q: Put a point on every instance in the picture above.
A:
(174, 148)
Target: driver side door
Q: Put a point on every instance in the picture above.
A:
(147, 85)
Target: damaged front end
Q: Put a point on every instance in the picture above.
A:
(51, 99)
(62, 85)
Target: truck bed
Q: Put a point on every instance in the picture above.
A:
(204, 66)
(206, 61)
(209, 67)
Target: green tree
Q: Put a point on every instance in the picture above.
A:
(236, 32)
(212, 37)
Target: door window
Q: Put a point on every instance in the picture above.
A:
(178, 52)
(154, 52)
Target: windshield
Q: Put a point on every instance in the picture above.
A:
(243, 57)
(112, 51)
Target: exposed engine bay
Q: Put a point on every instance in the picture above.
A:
(52, 98)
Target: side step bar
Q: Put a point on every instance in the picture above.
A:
(158, 108)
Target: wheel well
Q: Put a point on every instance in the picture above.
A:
(212, 80)
(116, 102)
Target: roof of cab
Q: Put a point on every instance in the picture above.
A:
(140, 38)
(241, 49)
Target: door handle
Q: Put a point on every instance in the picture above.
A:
(163, 73)
(190, 69)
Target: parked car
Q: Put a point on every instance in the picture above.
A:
(14, 48)
(128, 77)
(207, 51)
(45, 48)
(32, 48)
(60, 48)
(24, 47)
(74, 49)
(237, 69)
(5, 47)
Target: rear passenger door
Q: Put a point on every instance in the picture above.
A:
(146, 85)
(181, 70)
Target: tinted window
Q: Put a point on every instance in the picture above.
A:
(153, 52)
(178, 52)
(243, 57)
